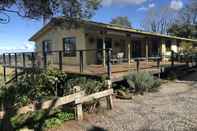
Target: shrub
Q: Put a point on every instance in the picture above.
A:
(37, 86)
(142, 82)
(90, 86)
(39, 119)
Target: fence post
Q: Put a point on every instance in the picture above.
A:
(109, 64)
(158, 63)
(138, 64)
(15, 59)
(9, 56)
(24, 63)
(4, 68)
(78, 109)
(60, 60)
(33, 60)
(172, 58)
(109, 98)
(81, 61)
(45, 59)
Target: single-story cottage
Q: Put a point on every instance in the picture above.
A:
(126, 43)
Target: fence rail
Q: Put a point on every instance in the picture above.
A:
(78, 98)
(58, 59)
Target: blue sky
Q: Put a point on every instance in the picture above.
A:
(14, 35)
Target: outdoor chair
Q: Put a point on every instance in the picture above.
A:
(118, 58)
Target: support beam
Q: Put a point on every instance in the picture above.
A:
(147, 44)
(104, 51)
(4, 67)
(163, 50)
(129, 53)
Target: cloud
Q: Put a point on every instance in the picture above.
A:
(144, 8)
(27, 47)
(176, 4)
(152, 5)
(123, 2)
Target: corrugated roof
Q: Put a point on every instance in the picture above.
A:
(111, 27)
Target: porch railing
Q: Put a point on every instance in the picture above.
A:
(61, 60)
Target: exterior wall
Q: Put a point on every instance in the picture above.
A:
(174, 46)
(56, 35)
(163, 50)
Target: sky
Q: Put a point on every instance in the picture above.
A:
(14, 35)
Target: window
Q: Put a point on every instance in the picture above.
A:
(47, 46)
(168, 45)
(69, 46)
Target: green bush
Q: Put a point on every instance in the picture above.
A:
(43, 85)
(90, 86)
(142, 82)
(39, 119)
(37, 86)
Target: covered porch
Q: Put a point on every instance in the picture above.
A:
(126, 47)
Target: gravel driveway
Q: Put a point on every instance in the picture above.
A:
(173, 108)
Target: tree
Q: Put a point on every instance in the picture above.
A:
(186, 23)
(40, 9)
(121, 21)
(158, 19)
(183, 30)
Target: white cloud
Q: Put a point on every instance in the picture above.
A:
(144, 8)
(152, 5)
(123, 2)
(27, 47)
(176, 4)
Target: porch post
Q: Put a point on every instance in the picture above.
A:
(129, 53)
(163, 49)
(147, 42)
(104, 50)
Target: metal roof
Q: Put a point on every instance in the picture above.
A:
(109, 27)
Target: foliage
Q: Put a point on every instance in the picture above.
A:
(182, 30)
(142, 82)
(90, 86)
(42, 85)
(33, 119)
(121, 21)
(50, 8)
(58, 119)
(186, 21)
(32, 86)
(172, 76)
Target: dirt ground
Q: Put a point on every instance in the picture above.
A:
(173, 108)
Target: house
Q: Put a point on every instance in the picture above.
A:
(126, 43)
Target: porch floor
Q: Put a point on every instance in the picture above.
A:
(118, 70)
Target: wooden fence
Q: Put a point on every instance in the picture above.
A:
(28, 60)
(78, 98)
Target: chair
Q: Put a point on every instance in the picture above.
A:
(120, 57)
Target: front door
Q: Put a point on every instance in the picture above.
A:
(99, 54)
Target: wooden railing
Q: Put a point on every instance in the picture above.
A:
(30, 60)
(78, 97)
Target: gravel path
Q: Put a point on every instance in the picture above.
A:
(173, 108)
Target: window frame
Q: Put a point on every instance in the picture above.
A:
(45, 46)
(72, 52)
